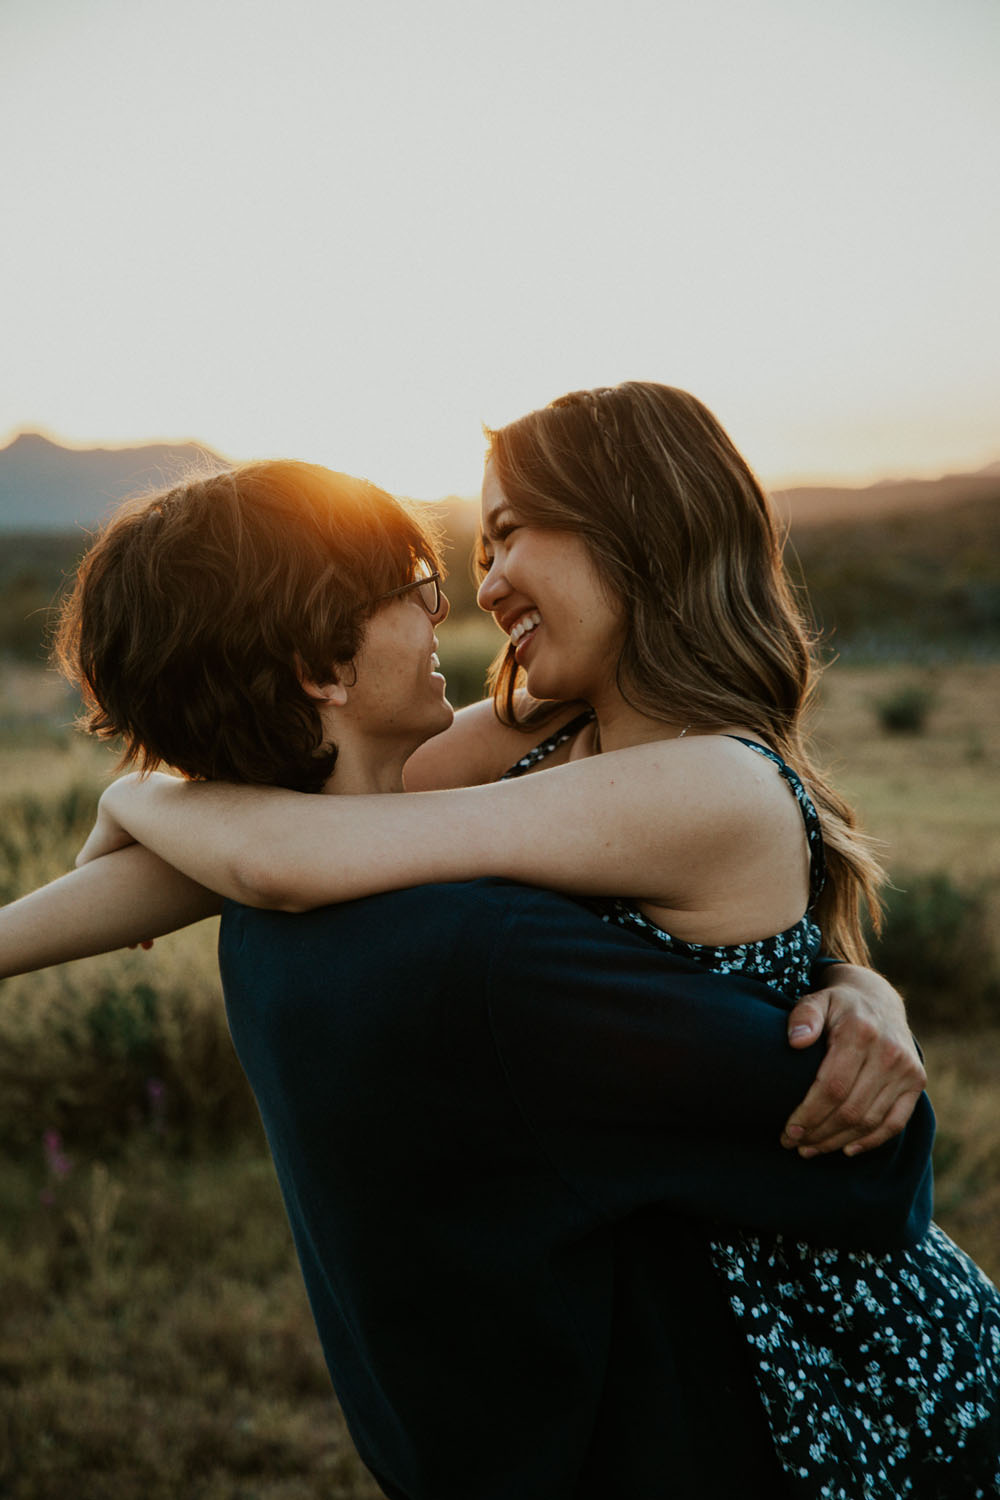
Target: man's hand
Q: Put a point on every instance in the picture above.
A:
(107, 834)
(869, 1082)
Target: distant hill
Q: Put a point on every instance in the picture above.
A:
(45, 487)
(818, 505)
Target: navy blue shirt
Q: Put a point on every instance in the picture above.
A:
(504, 1132)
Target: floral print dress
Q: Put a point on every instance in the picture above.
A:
(879, 1373)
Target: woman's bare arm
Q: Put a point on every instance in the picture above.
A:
(655, 822)
(127, 897)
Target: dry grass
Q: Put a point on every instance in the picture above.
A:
(934, 798)
(155, 1339)
(963, 1073)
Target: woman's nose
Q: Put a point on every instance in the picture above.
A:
(491, 590)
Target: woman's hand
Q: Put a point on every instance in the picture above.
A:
(105, 837)
(108, 832)
(871, 1078)
(122, 901)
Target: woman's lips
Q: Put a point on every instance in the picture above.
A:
(524, 644)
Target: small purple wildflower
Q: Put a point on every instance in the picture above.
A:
(156, 1095)
(56, 1160)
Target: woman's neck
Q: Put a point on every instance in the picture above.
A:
(617, 726)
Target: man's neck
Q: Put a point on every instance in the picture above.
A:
(359, 774)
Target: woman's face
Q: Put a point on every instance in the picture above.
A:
(545, 594)
(398, 692)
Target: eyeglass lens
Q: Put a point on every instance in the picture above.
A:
(429, 590)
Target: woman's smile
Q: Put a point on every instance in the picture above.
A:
(522, 626)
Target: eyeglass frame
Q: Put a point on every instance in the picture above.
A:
(416, 584)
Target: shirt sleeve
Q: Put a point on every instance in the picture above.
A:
(650, 1079)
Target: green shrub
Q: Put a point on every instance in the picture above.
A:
(119, 1047)
(905, 711)
(937, 948)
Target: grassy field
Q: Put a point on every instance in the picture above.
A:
(933, 798)
(155, 1339)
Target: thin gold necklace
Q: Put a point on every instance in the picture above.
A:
(597, 735)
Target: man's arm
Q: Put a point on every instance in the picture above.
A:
(651, 1079)
(123, 898)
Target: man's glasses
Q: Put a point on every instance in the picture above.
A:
(427, 588)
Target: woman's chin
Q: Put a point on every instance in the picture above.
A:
(544, 690)
(546, 684)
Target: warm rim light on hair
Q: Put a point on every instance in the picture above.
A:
(198, 611)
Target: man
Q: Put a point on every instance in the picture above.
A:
(503, 1132)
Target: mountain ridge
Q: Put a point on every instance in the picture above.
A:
(47, 486)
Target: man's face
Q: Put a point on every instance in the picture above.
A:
(399, 693)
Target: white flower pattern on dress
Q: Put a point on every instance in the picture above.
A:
(879, 1373)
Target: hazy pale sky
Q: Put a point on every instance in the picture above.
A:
(354, 230)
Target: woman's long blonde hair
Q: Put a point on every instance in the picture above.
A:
(682, 533)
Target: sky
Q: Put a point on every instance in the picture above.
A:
(354, 231)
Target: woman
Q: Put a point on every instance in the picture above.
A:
(632, 561)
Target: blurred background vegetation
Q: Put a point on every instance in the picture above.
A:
(883, 585)
(155, 1339)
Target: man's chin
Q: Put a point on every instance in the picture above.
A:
(437, 722)
(447, 719)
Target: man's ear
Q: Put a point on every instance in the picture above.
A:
(333, 691)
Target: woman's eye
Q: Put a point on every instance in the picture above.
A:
(500, 534)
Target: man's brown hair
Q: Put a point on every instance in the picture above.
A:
(198, 610)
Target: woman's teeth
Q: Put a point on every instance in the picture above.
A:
(524, 625)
